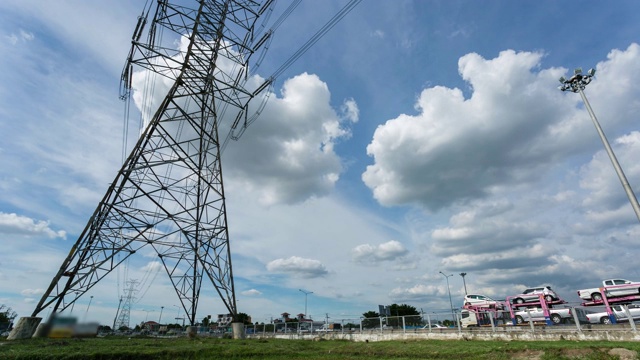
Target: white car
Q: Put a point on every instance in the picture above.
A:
(557, 316)
(435, 326)
(532, 295)
(612, 288)
(618, 311)
(481, 300)
(621, 287)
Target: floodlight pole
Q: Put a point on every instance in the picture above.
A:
(464, 282)
(88, 306)
(305, 301)
(449, 290)
(577, 83)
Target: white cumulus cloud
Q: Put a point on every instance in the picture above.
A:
(367, 253)
(287, 156)
(31, 292)
(297, 266)
(22, 225)
(251, 292)
(510, 131)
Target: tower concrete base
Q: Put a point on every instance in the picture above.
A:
(192, 331)
(25, 328)
(238, 330)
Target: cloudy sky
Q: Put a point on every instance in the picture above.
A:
(415, 137)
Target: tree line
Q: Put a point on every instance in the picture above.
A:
(7, 315)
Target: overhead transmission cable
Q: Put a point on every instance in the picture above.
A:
(317, 36)
(296, 55)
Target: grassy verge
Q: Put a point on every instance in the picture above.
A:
(205, 348)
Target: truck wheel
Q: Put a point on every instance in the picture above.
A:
(605, 320)
(596, 297)
(519, 301)
(556, 319)
(519, 319)
(548, 298)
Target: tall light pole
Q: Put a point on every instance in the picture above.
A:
(465, 284)
(178, 317)
(160, 318)
(86, 312)
(305, 301)
(449, 290)
(577, 83)
(74, 302)
(117, 311)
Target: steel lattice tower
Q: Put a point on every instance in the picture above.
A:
(169, 193)
(124, 316)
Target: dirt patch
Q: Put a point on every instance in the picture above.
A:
(577, 353)
(624, 354)
(621, 353)
(528, 355)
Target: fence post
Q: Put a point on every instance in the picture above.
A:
(575, 318)
(630, 318)
(493, 326)
(533, 329)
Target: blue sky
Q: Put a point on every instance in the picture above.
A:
(414, 137)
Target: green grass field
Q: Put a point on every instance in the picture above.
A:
(209, 348)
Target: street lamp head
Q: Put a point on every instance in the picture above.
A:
(577, 82)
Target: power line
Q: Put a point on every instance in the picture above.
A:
(290, 61)
(317, 36)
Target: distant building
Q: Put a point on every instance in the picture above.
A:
(151, 326)
(224, 320)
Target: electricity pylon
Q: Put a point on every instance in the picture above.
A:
(169, 193)
(124, 316)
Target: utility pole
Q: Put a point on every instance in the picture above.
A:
(74, 301)
(449, 290)
(305, 301)
(465, 284)
(577, 83)
(117, 311)
(88, 306)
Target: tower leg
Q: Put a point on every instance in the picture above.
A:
(25, 328)
(238, 330)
